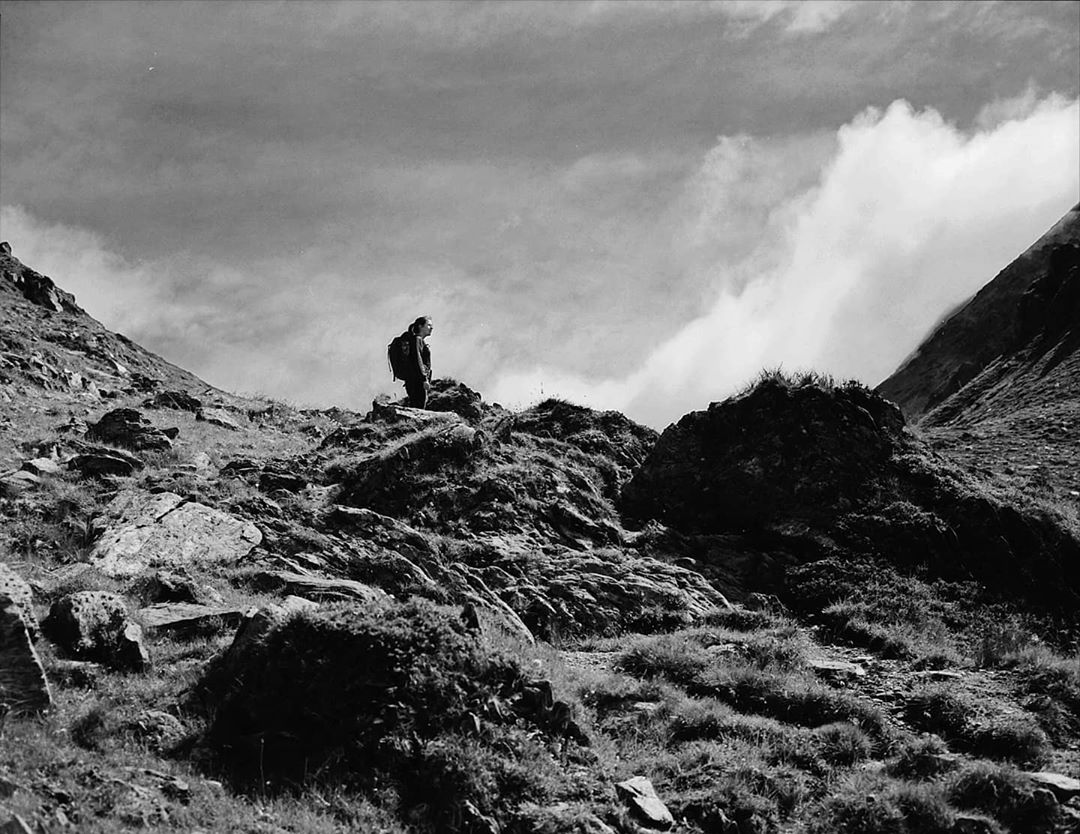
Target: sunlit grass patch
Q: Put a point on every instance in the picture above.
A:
(956, 716)
(1005, 794)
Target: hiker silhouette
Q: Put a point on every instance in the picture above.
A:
(410, 360)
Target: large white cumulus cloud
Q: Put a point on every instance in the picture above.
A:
(904, 217)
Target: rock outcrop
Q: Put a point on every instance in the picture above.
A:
(140, 530)
(818, 470)
(94, 625)
(23, 686)
(128, 428)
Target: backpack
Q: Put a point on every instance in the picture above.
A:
(397, 353)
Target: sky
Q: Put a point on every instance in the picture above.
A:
(633, 205)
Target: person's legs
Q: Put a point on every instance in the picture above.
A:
(417, 391)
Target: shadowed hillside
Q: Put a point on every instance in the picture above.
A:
(790, 612)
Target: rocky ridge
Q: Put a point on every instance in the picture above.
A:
(471, 619)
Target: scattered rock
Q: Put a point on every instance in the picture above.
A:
(1063, 787)
(99, 463)
(317, 586)
(640, 796)
(217, 417)
(16, 483)
(142, 530)
(20, 595)
(275, 479)
(22, 680)
(835, 670)
(181, 615)
(94, 625)
(172, 586)
(178, 400)
(128, 428)
(455, 397)
(939, 675)
(42, 466)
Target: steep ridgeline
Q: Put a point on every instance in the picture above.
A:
(997, 385)
(1031, 309)
(54, 356)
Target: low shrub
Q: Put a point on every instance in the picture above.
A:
(1011, 739)
(1005, 794)
(924, 809)
(843, 743)
(925, 757)
(857, 814)
(731, 805)
(393, 696)
(794, 698)
(936, 709)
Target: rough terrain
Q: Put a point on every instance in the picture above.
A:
(795, 610)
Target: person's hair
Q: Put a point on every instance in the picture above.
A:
(420, 322)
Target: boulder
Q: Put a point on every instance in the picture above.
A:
(184, 615)
(128, 428)
(178, 400)
(140, 530)
(217, 417)
(100, 463)
(835, 670)
(640, 797)
(16, 483)
(94, 625)
(447, 395)
(1063, 787)
(319, 587)
(271, 479)
(172, 586)
(19, 594)
(42, 466)
(22, 680)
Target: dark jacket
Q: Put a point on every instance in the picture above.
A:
(419, 358)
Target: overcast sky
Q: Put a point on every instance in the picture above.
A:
(634, 205)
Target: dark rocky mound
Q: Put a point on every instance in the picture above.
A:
(550, 473)
(396, 698)
(608, 433)
(831, 471)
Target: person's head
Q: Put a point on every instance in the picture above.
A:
(422, 326)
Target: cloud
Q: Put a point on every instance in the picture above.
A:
(906, 216)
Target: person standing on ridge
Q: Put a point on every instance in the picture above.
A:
(410, 359)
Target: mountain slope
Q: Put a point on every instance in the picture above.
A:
(997, 385)
(1030, 305)
(248, 617)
